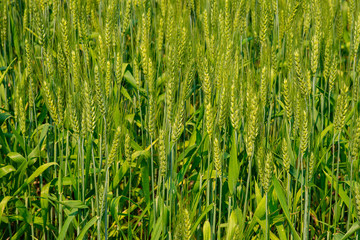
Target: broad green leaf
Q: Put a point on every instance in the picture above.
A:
(86, 228)
(3, 204)
(145, 180)
(74, 204)
(231, 226)
(119, 175)
(64, 228)
(125, 93)
(354, 228)
(16, 157)
(44, 202)
(156, 232)
(23, 212)
(18, 137)
(6, 170)
(208, 209)
(37, 172)
(131, 80)
(284, 206)
(7, 69)
(20, 232)
(281, 231)
(3, 117)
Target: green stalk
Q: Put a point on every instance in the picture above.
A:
(208, 179)
(129, 228)
(332, 182)
(267, 217)
(214, 209)
(306, 211)
(338, 183)
(247, 192)
(96, 193)
(152, 178)
(219, 218)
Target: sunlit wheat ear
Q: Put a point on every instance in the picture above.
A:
(98, 92)
(181, 46)
(62, 63)
(118, 69)
(126, 19)
(263, 24)
(65, 37)
(29, 72)
(263, 85)
(101, 200)
(332, 74)
(217, 156)
(285, 155)
(102, 55)
(287, 99)
(312, 165)
(89, 108)
(160, 34)
(151, 115)
(297, 113)
(114, 148)
(327, 58)
(304, 134)
(339, 27)
(209, 119)
(108, 28)
(179, 118)
(299, 74)
(356, 39)
(340, 110)
(356, 142)
(162, 154)
(357, 199)
(268, 171)
(252, 130)
(234, 107)
(75, 66)
(73, 117)
(224, 102)
(314, 53)
(186, 224)
(50, 101)
(108, 79)
(60, 106)
(206, 84)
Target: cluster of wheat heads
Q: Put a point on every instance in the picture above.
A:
(179, 119)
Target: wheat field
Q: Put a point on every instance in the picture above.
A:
(179, 119)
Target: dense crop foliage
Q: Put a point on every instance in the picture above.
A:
(179, 119)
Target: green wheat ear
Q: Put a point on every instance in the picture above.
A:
(268, 171)
(217, 156)
(356, 143)
(340, 110)
(114, 148)
(162, 154)
(357, 199)
(304, 134)
(287, 99)
(252, 129)
(285, 155)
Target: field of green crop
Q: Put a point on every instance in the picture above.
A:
(179, 119)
